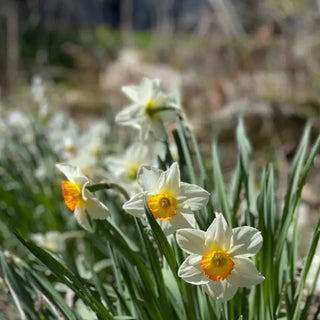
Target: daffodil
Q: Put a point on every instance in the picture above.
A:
(78, 199)
(170, 201)
(150, 109)
(54, 240)
(63, 135)
(220, 258)
(125, 167)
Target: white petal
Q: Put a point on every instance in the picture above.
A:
(184, 210)
(138, 153)
(96, 209)
(179, 221)
(196, 197)
(244, 273)
(191, 272)
(131, 115)
(146, 91)
(158, 129)
(82, 218)
(69, 171)
(148, 178)
(220, 290)
(82, 182)
(219, 233)
(170, 180)
(245, 241)
(191, 241)
(116, 164)
(132, 92)
(145, 128)
(135, 205)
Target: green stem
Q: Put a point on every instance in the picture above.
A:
(153, 111)
(104, 185)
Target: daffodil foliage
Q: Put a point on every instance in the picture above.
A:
(93, 227)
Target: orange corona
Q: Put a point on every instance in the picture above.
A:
(71, 194)
(162, 206)
(216, 264)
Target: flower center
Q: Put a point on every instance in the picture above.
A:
(71, 194)
(162, 206)
(149, 109)
(132, 172)
(216, 264)
(69, 147)
(95, 151)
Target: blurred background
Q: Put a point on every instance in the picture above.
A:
(257, 58)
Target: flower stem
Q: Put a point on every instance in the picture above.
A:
(104, 185)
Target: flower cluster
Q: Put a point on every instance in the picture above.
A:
(219, 257)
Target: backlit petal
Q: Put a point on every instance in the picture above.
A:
(129, 115)
(191, 272)
(245, 241)
(69, 171)
(191, 241)
(220, 290)
(135, 205)
(244, 273)
(170, 180)
(196, 197)
(81, 216)
(96, 209)
(148, 178)
(179, 221)
(219, 233)
(158, 129)
(132, 92)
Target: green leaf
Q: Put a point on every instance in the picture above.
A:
(305, 270)
(51, 293)
(219, 185)
(174, 293)
(161, 240)
(186, 151)
(20, 294)
(156, 271)
(67, 277)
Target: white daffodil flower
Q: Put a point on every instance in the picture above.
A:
(51, 240)
(95, 139)
(149, 110)
(220, 258)
(63, 135)
(170, 201)
(54, 240)
(125, 167)
(78, 199)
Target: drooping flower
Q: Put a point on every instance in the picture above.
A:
(78, 199)
(150, 109)
(220, 258)
(171, 201)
